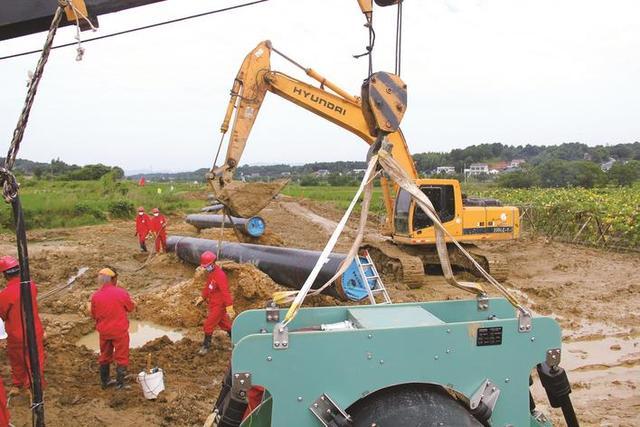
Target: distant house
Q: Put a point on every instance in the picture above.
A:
(608, 164)
(358, 171)
(477, 169)
(285, 174)
(322, 172)
(445, 170)
(516, 163)
(498, 167)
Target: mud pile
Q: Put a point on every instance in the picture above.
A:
(248, 199)
(174, 306)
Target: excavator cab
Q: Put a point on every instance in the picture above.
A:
(468, 221)
(410, 218)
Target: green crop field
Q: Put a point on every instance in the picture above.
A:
(50, 204)
(601, 213)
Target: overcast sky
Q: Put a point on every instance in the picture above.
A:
(511, 71)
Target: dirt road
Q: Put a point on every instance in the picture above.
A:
(595, 295)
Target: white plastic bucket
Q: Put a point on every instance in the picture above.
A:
(152, 384)
(3, 331)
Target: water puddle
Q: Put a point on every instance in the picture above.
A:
(595, 331)
(140, 333)
(600, 354)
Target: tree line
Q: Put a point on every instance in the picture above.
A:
(557, 173)
(59, 170)
(533, 154)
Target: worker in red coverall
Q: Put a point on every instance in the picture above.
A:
(109, 307)
(4, 411)
(143, 223)
(159, 230)
(216, 293)
(11, 313)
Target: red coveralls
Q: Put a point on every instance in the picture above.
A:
(4, 411)
(159, 226)
(142, 227)
(109, 307)
(11, 313)
(216, 293)
(254, 396)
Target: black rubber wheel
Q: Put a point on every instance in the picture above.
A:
(411, 405)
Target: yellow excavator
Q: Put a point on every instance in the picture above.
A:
(410, 250)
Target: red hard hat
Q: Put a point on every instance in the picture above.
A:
(207, 258)
(7, 263)
(155, 210)
(140, 209)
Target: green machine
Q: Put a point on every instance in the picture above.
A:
(445, 363)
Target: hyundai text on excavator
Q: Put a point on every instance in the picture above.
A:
(411, 248)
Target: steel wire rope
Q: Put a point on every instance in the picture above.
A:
(144, 27)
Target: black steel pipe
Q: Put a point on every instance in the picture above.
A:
(288, 267)
(253, 226)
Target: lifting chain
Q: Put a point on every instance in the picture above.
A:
(7, 179)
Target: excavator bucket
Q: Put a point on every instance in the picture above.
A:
(246, 199)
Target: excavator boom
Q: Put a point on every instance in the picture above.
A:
(255, 78)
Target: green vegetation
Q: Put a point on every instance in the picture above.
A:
(559, 212)
(533, 154)
(51, 204)
(579, 173)
(59, 170)
(614, 212)
(338, 196)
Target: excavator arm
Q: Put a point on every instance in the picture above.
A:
(255, 78)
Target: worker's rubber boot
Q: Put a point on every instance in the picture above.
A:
(105, 379)
(143, 247)
(121, 372)
(206, 345)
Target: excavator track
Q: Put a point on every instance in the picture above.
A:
(407, 264)
(496, 264)
(395, 263)
(493, 264)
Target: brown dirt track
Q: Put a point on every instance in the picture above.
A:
(595, 295)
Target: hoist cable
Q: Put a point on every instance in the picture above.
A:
(399, 38)
(145, 27)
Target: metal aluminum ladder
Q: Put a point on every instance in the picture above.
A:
(373, 281)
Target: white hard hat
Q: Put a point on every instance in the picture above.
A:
(3, 331)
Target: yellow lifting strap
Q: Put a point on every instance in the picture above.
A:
(72, 6)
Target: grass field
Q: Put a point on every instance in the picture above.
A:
(51, 204)
(338, 196)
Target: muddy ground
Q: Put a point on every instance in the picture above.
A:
(595, 295)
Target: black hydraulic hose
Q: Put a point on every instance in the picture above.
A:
(224, 390)
(556, 383)
(569, 414)
(27, 300)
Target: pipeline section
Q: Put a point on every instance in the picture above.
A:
(213, 208)
(253, 227)
(286, 266)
